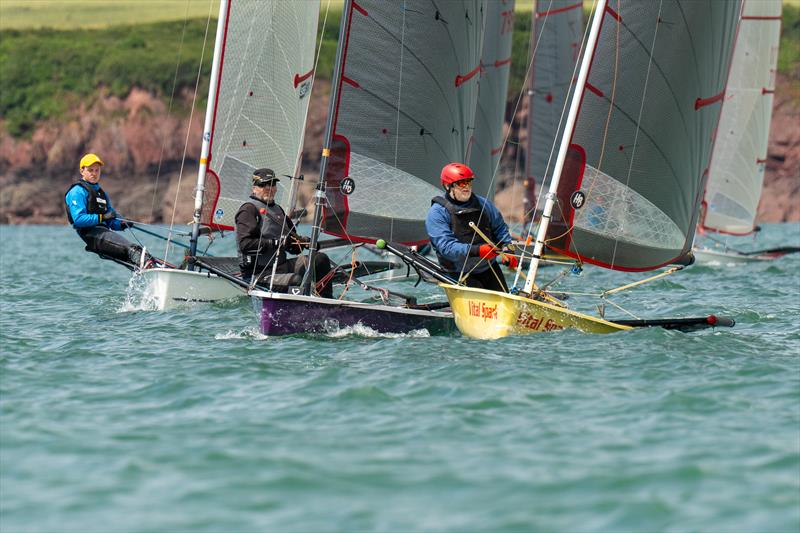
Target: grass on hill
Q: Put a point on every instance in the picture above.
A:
(45, 73)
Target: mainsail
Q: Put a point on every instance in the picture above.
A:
(629, 193)
(736, 175)
(405, 101)
(263, 90)
(555, 41)
(487, 141)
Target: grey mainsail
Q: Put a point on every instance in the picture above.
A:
(629, 194)
(406, 99)
(262, 99)
(557, 29)
(487, 141)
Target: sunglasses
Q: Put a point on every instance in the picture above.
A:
(463, 184)
(265, 183)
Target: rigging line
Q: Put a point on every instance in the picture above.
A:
(169, 110)
(522, 92)
(564, 108)
(284, 229)
(400, 85)
(641, 281)
(641, 108)
(622, 309)
(189, 124)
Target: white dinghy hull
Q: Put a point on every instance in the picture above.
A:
(705, 256)
(169, 288)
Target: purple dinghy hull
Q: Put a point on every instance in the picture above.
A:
(287, 314)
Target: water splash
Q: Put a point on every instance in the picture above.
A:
(139, 295)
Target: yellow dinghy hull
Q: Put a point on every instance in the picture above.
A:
(483, 314)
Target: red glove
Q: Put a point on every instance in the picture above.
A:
(487, 251)
(511, 261)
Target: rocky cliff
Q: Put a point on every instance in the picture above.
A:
(151, 159)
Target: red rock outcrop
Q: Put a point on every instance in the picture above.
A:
(151, 159)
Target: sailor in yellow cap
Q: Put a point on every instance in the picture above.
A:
(90, 213)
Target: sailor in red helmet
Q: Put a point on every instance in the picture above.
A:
(459, 248)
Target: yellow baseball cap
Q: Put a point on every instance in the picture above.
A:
(90, 159)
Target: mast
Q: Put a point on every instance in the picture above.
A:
(529, 197)
(565, 140)
(326, 146)
(222, 22)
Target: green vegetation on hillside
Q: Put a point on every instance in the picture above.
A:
(789, 52)
(93, 14)
(46, 73)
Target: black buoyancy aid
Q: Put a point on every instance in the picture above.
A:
(97, 204)
(274, 225)
(460, 217)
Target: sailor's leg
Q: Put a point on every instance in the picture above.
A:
(491, 279)
(104, 241)
(322, 265)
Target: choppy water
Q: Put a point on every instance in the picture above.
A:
(117, 419)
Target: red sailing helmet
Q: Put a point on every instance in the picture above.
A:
(454, 172)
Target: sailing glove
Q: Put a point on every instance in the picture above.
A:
(510, 261)
(111, 215)
(487, 251)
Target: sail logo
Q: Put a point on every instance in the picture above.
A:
(481, 310)
(537, 323)
(577, 199)
(303, 89)
(218, 214)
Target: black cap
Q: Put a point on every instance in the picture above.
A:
(262, 176)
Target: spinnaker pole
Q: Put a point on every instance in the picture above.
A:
(313, 248)
(599, 12)
(222, 23)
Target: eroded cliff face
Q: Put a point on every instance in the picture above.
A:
(151, 158)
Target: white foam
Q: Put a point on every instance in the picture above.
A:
(365, 331)
(138, 296)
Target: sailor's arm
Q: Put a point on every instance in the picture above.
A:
(77, 200)
(248, 231)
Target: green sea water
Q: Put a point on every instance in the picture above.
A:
(115, 418)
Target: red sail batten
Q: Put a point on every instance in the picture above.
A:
(360, 9)
(298, 79)
(461, 79)
(702, 102)
(352, 83)
(559, 10)
(613, 13)
(594, 89)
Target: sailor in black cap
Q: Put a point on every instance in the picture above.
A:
(264, 234)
